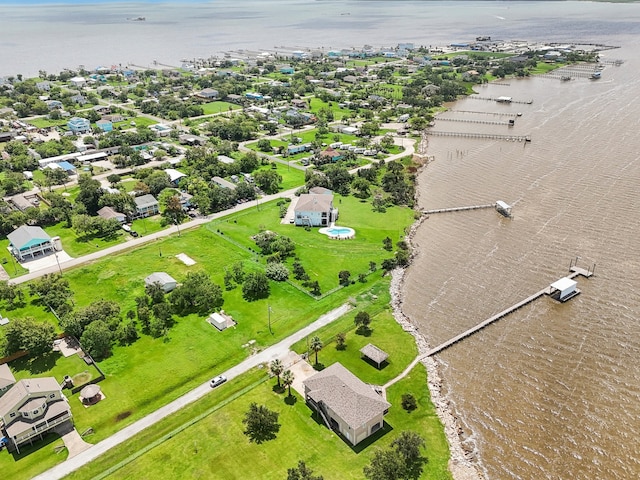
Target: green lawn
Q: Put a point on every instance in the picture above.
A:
(315, 104)
(193, 351)
(187, 446)
(13, 268)
(44, 122)
(217, 107)
(291, 177)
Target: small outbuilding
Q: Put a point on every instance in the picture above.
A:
(374, 354)
(563, 289)
(166, 281)
(220, 320)
(91, 394)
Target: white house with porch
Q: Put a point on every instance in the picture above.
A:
(28, 242)
(315, 210)
(31, 408)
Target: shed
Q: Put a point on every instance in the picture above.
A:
(220, 320)
(504, 208)
(564, 289)
(165, 280)
(374, 354)
(91, 394)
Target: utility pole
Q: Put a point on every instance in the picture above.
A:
(269, 316)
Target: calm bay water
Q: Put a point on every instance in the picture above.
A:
(551, 391)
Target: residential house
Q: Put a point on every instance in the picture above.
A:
(113, 118)
(226, 160)
(102, 109)
(54, 104)
(79, 99)
(78, 82)
(315, 210)
(79, 125)
(104, 125)
(346, 404)
(43, 86)
(208, 93)
(146, 206)
(108, 213)
(6, 379)
(174, 176)
(189, 139)
(299, 148)
(160, 130)
(221, 182)
(163, 279)
(29, 241)
(330, 155)
(31, 408)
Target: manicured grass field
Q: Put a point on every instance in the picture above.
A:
(315, 104)
(217, 107)
(76, 247)
(46, 122)
(214, 446)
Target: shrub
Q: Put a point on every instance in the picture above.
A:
(277, 271)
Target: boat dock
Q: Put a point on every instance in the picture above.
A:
(488, 136)
(502, 100)
(575, 271)
(458, 209)
(468, 120)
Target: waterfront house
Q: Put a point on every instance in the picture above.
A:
(43, 86)
(78, 82)
(79, 125)
(31, 408)
(346, 404)
(29, 241)
(146, 206)
(315, 210)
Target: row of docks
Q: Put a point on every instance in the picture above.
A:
(499, 205)
(486, 136)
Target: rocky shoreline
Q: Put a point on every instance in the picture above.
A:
(461, 464)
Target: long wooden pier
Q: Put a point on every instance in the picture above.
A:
(468, 120)
(575, 271)
(488, 136)
(497, 99)
(458, 209)
(500, 114)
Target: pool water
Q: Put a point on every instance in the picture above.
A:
(339, 231)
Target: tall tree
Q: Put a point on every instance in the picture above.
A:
(261, 424)
(316, 345)
(255, 286)
(276, 369)
(29, 334)
(287, 379)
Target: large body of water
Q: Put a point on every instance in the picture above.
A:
(553, 390)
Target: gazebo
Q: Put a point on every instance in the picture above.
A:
(374, 354)
(91, 394)
(564, 289)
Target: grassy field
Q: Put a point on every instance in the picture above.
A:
(315, 104)
(205, 440)
(193, 351)
(217, 107)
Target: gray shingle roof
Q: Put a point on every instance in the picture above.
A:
(309, 202)
(374, 353)
(350, 398)
(25, 234)
(145, 200)
(24, 389)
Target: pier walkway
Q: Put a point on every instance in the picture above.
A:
(488, 136)
(575, 271)
(468, 120)
(458, 209)
(497, 99)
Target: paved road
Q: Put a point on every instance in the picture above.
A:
(136, 242)
(278, 350)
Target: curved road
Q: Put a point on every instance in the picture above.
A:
(275, 351)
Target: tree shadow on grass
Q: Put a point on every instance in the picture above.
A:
(36, 365)
(291, 400)
(279, 389)
(382, 366)
(364, 331)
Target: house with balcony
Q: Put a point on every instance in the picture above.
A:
(31, 408)
(346, 404)
(79, 125)
(146, 206)
(28, 242)
(315, 210)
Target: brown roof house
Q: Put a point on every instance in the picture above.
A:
(31, 408)
(347, 404)
(315, 210)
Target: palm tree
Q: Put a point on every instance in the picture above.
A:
(287, 379)
(276, 368)
(316, 346)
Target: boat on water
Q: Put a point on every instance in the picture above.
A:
(565, 78)
(596, 75)
(137, 19)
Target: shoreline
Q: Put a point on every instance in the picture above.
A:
(461, 462)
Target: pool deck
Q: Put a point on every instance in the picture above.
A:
(351, 233)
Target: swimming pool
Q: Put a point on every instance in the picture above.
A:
(338, 233)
